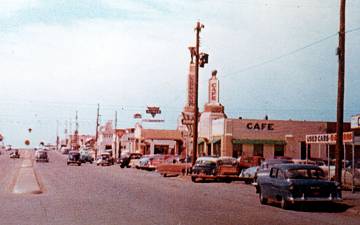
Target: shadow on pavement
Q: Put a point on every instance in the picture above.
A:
(317, 207)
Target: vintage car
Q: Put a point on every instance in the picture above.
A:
(174, 167)
(150, 162)
(85, 156)
(126, 158)
(222, 168)
(104, 159)
(41, 156)
(15, 154)
(250, 161)
(74, 158)
(266, 166)
(294, 183)
(248, 175)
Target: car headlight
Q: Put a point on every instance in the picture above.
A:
(291, 187)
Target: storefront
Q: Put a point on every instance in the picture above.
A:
(268, 138)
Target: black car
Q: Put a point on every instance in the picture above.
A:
(125, 159)
(74, 158)
(294, 183)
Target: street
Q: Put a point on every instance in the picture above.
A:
(89, 194)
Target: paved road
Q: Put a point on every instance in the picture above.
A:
(110, 195)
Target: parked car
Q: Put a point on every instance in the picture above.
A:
(104, 159)
(249, 175)
(65, 150)
(111, 158)
(250, 161)
(126, 158)
(265, 167)
(74, 158)
(15, 154)
(294, 183)
(150, 162)
(41, 156)
(85, 156)
(224, 168)
(174, 167)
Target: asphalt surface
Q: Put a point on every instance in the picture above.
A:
(89, 194)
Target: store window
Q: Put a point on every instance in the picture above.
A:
(279, 150)
(258, 150)
(237, 150)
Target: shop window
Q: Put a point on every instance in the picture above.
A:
(161, 149)
(201, 150)
(237, 150)
(279, 150)
(258, 150)
(217, 147)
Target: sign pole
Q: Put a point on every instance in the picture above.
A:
(353, 167)
(328, 150)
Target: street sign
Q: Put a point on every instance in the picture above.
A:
(355, 122)
(187, 121)
(153, 110)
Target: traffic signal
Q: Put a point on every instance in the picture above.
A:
(204, 59)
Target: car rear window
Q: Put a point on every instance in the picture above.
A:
(305, 174)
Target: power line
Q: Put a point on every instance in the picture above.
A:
(280, 56)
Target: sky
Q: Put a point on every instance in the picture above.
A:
(273, 57)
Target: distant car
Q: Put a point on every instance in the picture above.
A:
(294, 183)
(85, 156)
(248, 175)
(104, 159)
(15, 154)
(65, 150)
(265, 167)
(74, 158)
(41, 156)
(224, 168)
(126, 158)
(174, 167)
(111, 157)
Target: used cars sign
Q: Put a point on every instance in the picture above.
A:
(348, 137)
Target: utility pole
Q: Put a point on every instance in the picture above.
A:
(76, 133)
(340, 97)
(201, 58)
(97, 130)
(57, 135)
(115, 139)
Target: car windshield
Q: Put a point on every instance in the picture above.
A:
(305, 174)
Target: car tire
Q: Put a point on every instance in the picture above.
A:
(164, 175)
(193, 179)
(284, 203)
(122, 166)
(79, 164)
(262, 199)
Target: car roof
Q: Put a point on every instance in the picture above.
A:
(289, 166)
(74, 152)
(208, 158)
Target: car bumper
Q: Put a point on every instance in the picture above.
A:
(315, 199)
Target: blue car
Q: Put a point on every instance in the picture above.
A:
(294, 183)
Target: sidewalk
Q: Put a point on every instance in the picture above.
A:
(353, 200)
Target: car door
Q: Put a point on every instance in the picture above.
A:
(267, 183)
(280, 183)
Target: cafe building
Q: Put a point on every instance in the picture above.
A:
(269, 138)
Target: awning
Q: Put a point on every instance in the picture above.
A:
(201, 140)
(216, 140)
(258, 141)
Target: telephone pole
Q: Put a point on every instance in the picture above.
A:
(76, 133)
(200, 58)
(340, 98)
(97, 130)
(115, 139)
